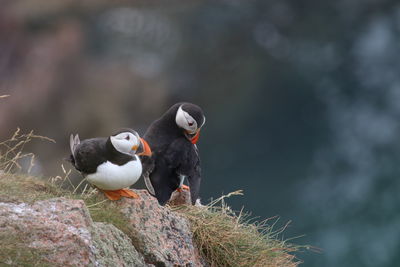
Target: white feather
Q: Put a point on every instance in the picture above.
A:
(110, 176)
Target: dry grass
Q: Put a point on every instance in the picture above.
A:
(229, 239)
(11, 151)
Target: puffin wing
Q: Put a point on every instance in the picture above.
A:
(194, 178)
(89, 154)
(158, 181)
(148, 167)
(149, 186)
(183, 157)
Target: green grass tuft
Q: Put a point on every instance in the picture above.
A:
(25, 188)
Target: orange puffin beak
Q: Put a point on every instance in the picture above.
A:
(146, 148)
(195, 138)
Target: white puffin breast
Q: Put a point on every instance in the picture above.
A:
(109, 176)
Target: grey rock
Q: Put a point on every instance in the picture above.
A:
(162, 236)
(64, 232)
(114, 248)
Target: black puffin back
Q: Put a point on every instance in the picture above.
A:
(90, 153)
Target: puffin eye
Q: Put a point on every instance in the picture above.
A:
(127, 137)
(190, 123)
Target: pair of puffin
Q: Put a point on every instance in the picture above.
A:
(166, 156)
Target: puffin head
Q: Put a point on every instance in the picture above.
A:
(190, 119)
(128, 141)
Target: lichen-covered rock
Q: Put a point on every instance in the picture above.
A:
(58, 227)
(162, 236)
(61, 232)
(64, 233)
(114, 248)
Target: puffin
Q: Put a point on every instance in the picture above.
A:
(175, 156)
(110, 164)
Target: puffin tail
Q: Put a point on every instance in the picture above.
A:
(73, 143)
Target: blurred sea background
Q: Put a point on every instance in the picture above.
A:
(302, 100)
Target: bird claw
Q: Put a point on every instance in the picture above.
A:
(183, 188)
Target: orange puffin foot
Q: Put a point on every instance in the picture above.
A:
(183, 187)
(111, 194)
(117, 194)
(128, 193)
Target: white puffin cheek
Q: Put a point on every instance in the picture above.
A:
(192, 129)
(121, 145)
(134, 144)
(185, 121)
(181, 120)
